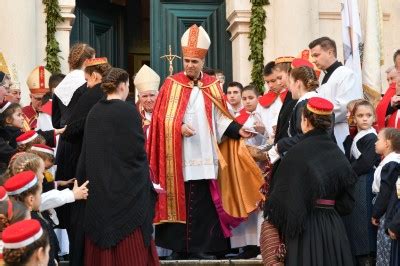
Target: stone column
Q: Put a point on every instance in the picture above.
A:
(238, 14)
(64, 31)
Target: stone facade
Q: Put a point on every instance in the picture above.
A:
(291, 25)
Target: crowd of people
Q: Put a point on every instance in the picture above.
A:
(303, 171)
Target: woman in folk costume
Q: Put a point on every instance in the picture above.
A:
(95, 70)
(253, 117)
(189, 119)
(384, 185)
(360, 150)
(146, 83)
(65, 97)
(303, 83)
(120, 210)
(310, 193)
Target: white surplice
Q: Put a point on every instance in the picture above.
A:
(340, 89)
(234, 112)
(260, 114)
(200, 160)
(248, 232)
(272, 114)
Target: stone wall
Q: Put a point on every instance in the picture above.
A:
(291, 25)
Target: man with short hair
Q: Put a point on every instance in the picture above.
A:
(270, 80)
(391, 74)
(189, 119)
(387, 110)
(275, 96)
(14, 93)
(234, 98)
(219, 74)
(338, 83)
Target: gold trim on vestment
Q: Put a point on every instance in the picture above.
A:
(200, 84)
(173, 102)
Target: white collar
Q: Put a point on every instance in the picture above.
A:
(308, 95)
(391, 157)
(362, 133)
(72, 81)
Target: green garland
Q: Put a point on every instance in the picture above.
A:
(53, 18)
(257, 36)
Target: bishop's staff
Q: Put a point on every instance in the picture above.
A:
(170, 58)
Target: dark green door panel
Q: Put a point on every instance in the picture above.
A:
(170, 19)
(102, 25)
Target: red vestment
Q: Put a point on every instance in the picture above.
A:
(381, 118)
(164, 148)
(30, 116)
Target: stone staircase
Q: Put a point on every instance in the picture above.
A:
(211, 262)
(249, 262)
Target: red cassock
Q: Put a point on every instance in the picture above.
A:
(382, 119)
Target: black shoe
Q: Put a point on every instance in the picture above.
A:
(201, 256)
(176, 256)
(249, 252)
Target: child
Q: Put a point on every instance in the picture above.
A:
(10, 212)
(385, 177)
(360, 151)
(303, 83)
(11, 122)
(46, 153)
(350, 118)
(393, 225)
(26, 243)
(54, 198)
(27, 139)
(26, 187)
(253, 117)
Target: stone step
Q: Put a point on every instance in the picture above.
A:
(212, 262)
(249, 262)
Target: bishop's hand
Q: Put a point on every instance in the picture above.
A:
(188, 131)
(245, 133)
